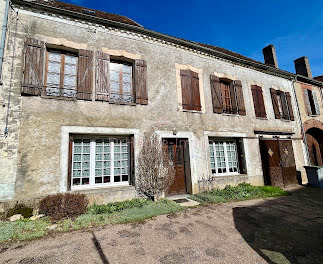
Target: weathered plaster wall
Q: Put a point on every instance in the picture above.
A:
(41, 119)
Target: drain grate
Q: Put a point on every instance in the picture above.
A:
(181, 200)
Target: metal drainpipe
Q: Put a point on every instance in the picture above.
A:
(3, 37)
(308, 160)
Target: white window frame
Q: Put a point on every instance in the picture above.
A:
(92, 184)
(224, 141)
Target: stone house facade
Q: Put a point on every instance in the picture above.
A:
(81, 89)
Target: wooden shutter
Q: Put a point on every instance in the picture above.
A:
(70, 151)
(132, 160)
(102, 76)
(141, 82)
(233, 97)
(85, 75)
(284, 106)
(241, 156)
(33, 72)
(274, 99)
(258, 101)
(316, 103)
(307, 102)
(195, 99)
(240, 100)
(216, 94)
(290, 106)
(186, 86)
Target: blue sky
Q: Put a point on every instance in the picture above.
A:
(295, 27)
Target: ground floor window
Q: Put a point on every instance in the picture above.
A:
(100, 161)
(226, 156)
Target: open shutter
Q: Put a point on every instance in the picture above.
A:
(33, 72)
(216, 94)
(240, 100)
(307, 102)
(195, 99)
(258, 101)
(241, 156)
(70, 151)
(284, 106)
(290, 106)
(85, 75)
(316, 103)
(186, 86)
(233, 97)
(102, 76)
(141, 82)
(132, 160)
(274, 99)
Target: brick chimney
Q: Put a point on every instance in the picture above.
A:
(270, 55)
(302, 67)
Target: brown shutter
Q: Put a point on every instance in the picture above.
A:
(102, 76)
(195, 99)
(70, 151)
(241, 156)
(274, 99)
(284, 106)
(258, 101)
(141, 82)
(132, 160)
(33, 72)
(186, 84)
(216, 94)
(85, 75)
(233, 97)
(290, 107)
(240, 100)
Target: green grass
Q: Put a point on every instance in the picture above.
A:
(137, 210)
(243, 191)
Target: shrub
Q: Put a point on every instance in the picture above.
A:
(116, 206)
(25, 211)
(61, 206)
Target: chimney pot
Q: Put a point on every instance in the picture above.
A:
(270, 56)
(302, 67)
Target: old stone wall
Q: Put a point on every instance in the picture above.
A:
(37, 123)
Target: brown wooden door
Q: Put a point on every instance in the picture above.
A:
(278, 162)
(175, 149)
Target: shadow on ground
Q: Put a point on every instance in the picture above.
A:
(287, 229)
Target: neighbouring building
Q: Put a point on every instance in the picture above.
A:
(81, 88)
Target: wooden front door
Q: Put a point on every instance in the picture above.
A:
(176, 151)
(278, 162)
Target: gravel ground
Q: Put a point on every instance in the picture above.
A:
(282, 230)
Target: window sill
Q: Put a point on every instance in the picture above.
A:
(286, 120)
(121, 103)
(59, 98)
(227, 114)
(262, 118)
(313, 115)
(191, 111)
(100, 187)
(219, 176)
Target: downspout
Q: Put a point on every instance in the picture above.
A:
(307, 159)
(3, 37)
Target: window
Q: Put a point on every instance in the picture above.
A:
(282, 104)
(100, 161)
(61, 74)
(226, 156)
(227, 96)
(311, 102)
(121, 82)
(258, 101)
(190, 90)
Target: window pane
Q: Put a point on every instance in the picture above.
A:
(114, 76)
(81, 162)
(127, 69)
(70, 59)
(102, 161)
(54, 56)
(54, 67)
(114, 66)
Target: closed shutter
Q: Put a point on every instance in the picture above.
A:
(141, 82)
(132, 161)
(70, 153)
(186, 86)
(307, 102)
(33, 72)
(240, 100)
(274, 99)
(290, 106)
(241, 156)
(195, 99)
(85, 75)
(233, 97)
(216, 94)
(316, 103)
(102, 76)
(284, 106)
(258, 101)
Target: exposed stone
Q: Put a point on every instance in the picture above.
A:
(16, 217)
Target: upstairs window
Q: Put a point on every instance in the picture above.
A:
(61, 74)
(282, 104)
(190, 90)
(311, 102)
(258, 101)
(227, 96)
